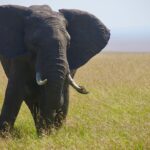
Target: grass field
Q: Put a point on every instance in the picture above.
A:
(114, 116)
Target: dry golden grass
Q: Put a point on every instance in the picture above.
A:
(115, 115)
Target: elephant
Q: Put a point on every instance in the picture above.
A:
(40, 52)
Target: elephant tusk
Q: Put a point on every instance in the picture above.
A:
(39, 80)
(80, 89)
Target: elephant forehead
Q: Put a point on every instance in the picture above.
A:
(45, 18)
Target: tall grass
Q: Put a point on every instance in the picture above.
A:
(115, 115)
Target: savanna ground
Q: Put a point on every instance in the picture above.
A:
(114, 116)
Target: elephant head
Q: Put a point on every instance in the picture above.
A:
(58, 42)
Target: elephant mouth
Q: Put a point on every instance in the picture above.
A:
(71, 81)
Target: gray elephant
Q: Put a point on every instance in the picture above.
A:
(40, 51)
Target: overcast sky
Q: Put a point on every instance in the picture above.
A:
(122, 17)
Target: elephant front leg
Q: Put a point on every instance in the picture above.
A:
(11, 106)
(33, 104)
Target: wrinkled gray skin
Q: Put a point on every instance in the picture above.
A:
(37, 40)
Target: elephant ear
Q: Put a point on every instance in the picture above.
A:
(88, 36)
(12, 31)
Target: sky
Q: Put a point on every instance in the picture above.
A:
(128, 20)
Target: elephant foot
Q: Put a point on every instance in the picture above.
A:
(5, 129)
